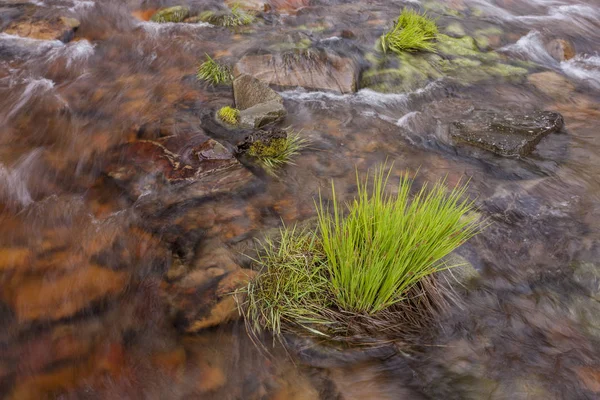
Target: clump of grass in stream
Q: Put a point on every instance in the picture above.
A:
(411, 32)
(229, 115)
(213, 72)
(235, 17)
(279, 153)
(387, 243)
(368, 270)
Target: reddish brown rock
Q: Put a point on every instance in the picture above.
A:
(325, 72)
(560, 49)
(42, 299)
(60, 28)
(209, 304)
(199, 165)
(14, 258)
(590, 378)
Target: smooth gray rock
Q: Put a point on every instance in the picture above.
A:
(262, 114)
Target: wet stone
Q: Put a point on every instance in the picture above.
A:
(211, 303)
(262, 114)
(201, 165)
(30, 26)
(506, 134)
(249, 92)
(326, 72)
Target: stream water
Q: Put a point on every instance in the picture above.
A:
(101, 276)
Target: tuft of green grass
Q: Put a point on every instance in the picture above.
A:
(229, 115)
(235, 17)
(170, 14)
(273, 157)
(368, 268)
(387, 243)
(213, 72)
(290, 286)
(411, 32)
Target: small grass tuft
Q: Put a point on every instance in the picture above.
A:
(292, 281)
(411, 32)
(278, 154)
(235, 17)
(229, 115)
(213, 72)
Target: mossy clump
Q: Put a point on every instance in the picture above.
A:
(229, 115)
(214, 73)
(411, 32)
(369, 267)
(274, 153)
(171, 14)
(232, 18)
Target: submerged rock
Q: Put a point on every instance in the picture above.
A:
(560, 49)
(209, 304)
(326, 72)
(552, 84)
(197, 165)
(30, 26)
(506, 134)
(171, 14)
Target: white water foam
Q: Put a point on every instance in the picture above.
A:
(13, 180)
(363, 96)
(583, 68)
(156, 29)
(33, 88)
(75, 53)
(531, 46)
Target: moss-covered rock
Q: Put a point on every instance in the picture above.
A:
(171, 14)
(458, 58)
(268, 147)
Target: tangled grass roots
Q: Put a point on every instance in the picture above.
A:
(214, 73)
(411, 32)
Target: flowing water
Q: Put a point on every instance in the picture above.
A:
(99, 276)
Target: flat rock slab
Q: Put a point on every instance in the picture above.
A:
(506, 134)
(328, 73)
(198, 166)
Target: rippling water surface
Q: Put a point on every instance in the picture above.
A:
(103, 277)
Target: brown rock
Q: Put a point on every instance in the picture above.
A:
(51, 300)
(590, 377)
(171, 363)
(14, 258)
(552, 84)
(211, 378)
(561, 49)
(204, 164)
(211, 303)
(61, 28)
(326, 72)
